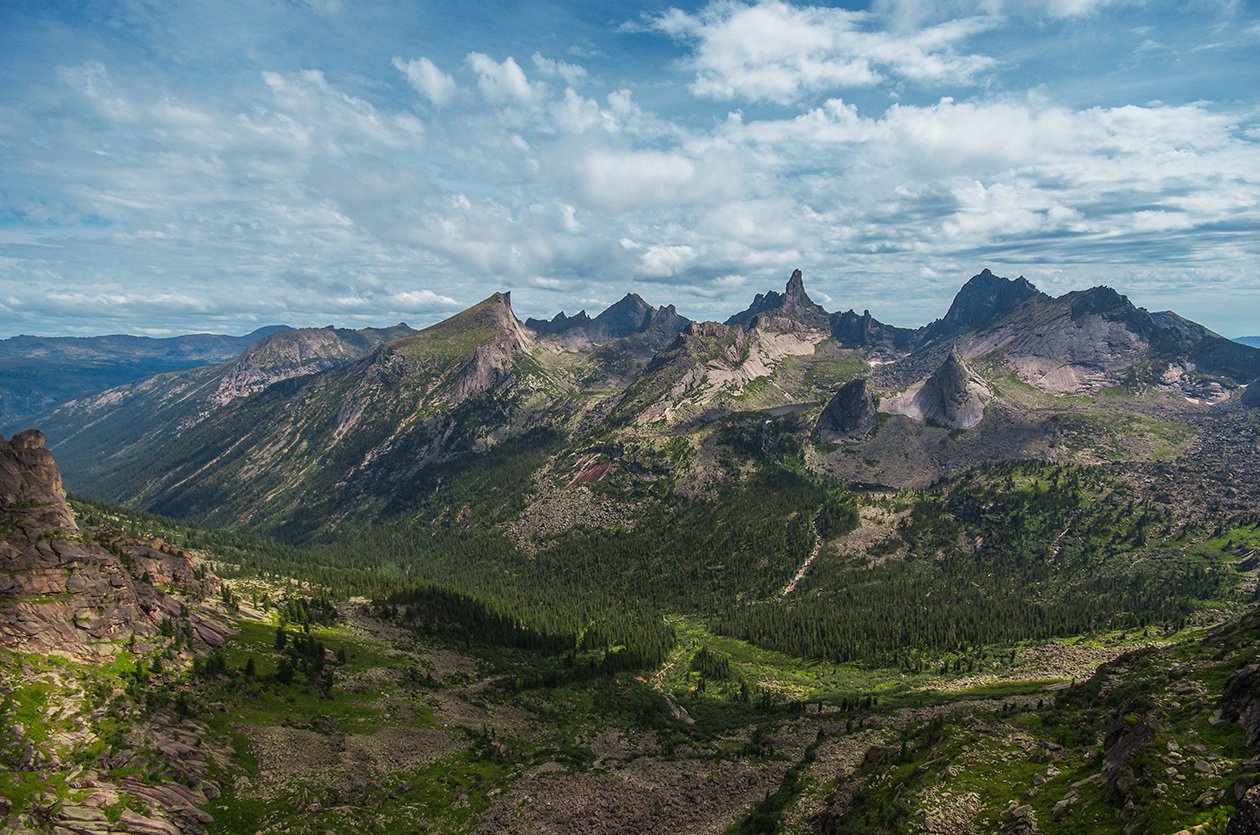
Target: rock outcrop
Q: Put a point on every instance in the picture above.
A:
(954, 396)
(849, 414)
(61, 590)
(1251, 394)
(865, 331)
(793, 307)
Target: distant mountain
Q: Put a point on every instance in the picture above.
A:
(1252, 341)
(630, 317)
(313, 426)
(38, 372)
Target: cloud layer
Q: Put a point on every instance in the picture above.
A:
(696, 156)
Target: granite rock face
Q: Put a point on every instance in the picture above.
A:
(983, 300)
(954, 396)
(1251, 394)
(849, 414)
(66, 592)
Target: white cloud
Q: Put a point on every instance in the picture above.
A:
(427, 80)
(913, 13)
(421, 300)
(777, 52)
(630, 179)
(500, 82)
(551, 68)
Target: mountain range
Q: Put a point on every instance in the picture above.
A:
(39, 372)
(320, 424)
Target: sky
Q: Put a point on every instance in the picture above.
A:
(174, 166)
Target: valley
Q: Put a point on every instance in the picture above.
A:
(795, 572)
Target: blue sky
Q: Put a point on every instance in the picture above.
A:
(183, 166)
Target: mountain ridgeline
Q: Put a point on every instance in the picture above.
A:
(309, 427)
(38, 372)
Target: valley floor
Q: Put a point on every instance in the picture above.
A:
(410, 734)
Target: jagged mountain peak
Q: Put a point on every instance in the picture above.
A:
(849, 414)
(491, 320)
(793, 305)
(982, 301)
(953, 396)
(629, 316)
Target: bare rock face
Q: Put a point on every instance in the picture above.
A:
(30, 480)
(954, 396)
(61, 592)
(792, 307)
(983, 300)
(849, 414)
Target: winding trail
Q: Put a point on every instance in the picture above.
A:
(804, 569)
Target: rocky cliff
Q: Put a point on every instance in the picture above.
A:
(791, 307)
(67, 592)
(849, 414)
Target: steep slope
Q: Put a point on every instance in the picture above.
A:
(851, 413)
(38, 373)
(347, 441)
(954, 396)
(297, 353)
(132, 422)
(983, 300)
(710, 365)
(867, 332)
(1089, 339)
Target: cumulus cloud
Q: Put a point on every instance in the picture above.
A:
(317, 195)
(427, 80)
(777, 52)
(502, 81)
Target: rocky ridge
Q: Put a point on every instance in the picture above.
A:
(629, 317)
